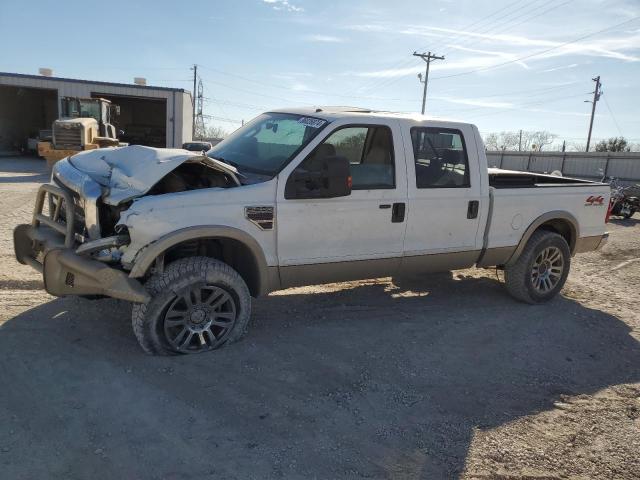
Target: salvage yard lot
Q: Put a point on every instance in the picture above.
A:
(434, 377)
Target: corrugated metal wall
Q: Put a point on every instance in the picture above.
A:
(179, 106)
(593, 165)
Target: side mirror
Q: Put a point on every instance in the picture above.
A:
(327, 178)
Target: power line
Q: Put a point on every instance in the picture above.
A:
(529, 104)
(224, 119)
(612, 115)
(542, 52)
(469, 72)
(472, 33)
(370, 83)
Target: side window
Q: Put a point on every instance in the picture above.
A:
(441, 158)
(369, 150)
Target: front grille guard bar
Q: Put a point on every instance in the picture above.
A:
(54, 219)
(87, 189)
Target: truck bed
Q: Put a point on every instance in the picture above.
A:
(519, 198)
(499, 178)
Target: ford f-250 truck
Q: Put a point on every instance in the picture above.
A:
(292, 198)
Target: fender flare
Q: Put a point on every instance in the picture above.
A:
(147, 255)
(541, 220)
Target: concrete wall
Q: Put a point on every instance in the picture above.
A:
(624, 166)
(178, 118)
(185, 125)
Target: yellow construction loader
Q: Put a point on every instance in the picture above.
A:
(85, 124)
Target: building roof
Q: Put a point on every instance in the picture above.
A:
(91, 82)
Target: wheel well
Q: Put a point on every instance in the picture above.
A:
(564, 228)
(230, 251)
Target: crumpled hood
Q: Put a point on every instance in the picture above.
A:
(129, 172)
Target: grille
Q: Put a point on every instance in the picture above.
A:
(69, 136)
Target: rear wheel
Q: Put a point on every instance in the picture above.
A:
(541, 270)
(198, 304)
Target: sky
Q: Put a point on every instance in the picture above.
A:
(509, 64)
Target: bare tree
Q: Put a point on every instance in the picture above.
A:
(215, 131)
(502, 141)
(537, 140)
(491, 141)
(576, 147)
(531, 140)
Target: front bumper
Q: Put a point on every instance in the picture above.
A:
(65, 272)
(48, 244)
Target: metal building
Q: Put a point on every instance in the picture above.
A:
(153, 116)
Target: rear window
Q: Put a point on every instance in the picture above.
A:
(440, 158)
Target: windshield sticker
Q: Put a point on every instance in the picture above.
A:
(312, 122)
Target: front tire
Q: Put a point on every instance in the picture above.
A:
(197, 304)
(541, 270)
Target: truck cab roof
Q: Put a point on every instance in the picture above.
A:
(332, 113)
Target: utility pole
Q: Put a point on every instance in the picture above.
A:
(427, 57)
(520, 142)
(193, 119)
(596, 97)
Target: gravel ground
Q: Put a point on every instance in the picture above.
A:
(437, 377)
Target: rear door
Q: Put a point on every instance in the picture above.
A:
(354, 231)
(444, 189)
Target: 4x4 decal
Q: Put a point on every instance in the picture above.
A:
(593, 200)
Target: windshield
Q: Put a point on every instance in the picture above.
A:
(74, 108)
(267, 143)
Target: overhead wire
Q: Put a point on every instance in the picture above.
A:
(535, 54)
(472, 34)
(369, 84)
(613, 117)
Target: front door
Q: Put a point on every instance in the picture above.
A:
(359, 235)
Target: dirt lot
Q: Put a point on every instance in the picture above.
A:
(439, 377)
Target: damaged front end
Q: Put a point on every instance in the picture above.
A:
(51, 244)
(74, 238)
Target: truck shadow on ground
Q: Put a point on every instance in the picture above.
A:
(625, 222)
(365, 380)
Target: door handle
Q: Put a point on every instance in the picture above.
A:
(472, 209)
(397, 213)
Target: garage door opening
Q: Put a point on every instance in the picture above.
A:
(25, 113)
(143, 120)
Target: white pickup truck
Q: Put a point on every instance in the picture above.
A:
(297, 197)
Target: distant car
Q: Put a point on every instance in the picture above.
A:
(197, 146)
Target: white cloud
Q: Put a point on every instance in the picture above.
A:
(283, 5)
(563, 67)
(474, 102)
(299, 87)
(323, 39)
(619, 45)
